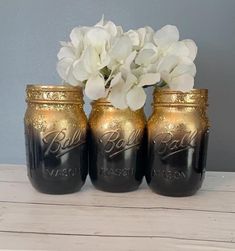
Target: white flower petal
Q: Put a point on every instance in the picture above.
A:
(62, 67)
(91, 60)
(149, 34)
(76, 36)
(184, 69)
(140, 70)
(182, 83)
(119, 31)
(113, 65)
(136, 98)
(142, 34)
(178, 49)
(111, 28)
(146, 57)
(191, 45)
(167, 63)
(101, 22)
(166, 35)
(129, 60)
(151, 46)
(79, 71)
(94, 88)
(166, 77)
(134, 37)
(65, 70)
(104, 58)
(71, 79)
(149, 79)
(65, 44)
(97, 37)
(185, 60)
(121, 49)
(117, 95)
(66, 52)
(116, 80)
(131, 80)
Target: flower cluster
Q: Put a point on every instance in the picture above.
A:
(117, 65)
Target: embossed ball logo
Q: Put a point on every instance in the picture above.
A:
(170, 143)
(114, 142)
(58, 142)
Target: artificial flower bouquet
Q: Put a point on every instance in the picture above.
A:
(111, 63)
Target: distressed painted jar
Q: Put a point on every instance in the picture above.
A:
(55, 136)
(177, 142)
(117, 147)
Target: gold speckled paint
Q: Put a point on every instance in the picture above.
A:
(175, 111)
(55, 107)
(105, 118)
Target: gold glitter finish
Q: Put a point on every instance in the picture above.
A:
(55, 108)
(54, 94)
(104, 118)
(178, 111)
(167, 97)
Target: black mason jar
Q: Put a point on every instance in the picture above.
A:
(55, 135)
(116, 147)
(177, 142)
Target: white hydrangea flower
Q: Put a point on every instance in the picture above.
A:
(108, 62)
(178, 74)
(140, 37)
(175, 58)
(130, 93)
(121, 53)
(110, 27)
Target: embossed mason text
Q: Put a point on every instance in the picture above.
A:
(65, 172)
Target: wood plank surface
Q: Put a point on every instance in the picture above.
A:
(194, 225)
(142, 198)
(94, 220)
(30, 241)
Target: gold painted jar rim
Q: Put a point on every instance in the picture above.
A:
(105, 103)
(101, 101)
(42, 93)
(168, 97)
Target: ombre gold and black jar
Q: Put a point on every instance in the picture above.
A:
(177, 142)
(116, 147)
(55, 134)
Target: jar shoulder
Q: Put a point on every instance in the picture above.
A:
(116, 119)
(51, 118)
(193, 120)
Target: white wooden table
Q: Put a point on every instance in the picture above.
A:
(93, 220)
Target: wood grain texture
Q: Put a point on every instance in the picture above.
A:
(140, 220)
(30, 241)
(132, 222)
(142, 198)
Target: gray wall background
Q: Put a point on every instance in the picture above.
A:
(30, 32)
